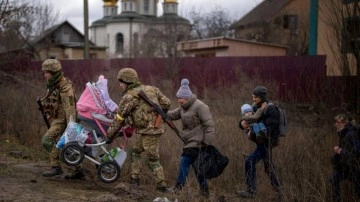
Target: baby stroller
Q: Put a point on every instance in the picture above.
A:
(87, 138)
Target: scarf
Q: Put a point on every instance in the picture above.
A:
(131, 86)
(54, 79)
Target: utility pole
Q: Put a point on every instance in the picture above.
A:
(86, 30)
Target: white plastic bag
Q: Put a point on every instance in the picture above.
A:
(73, 132)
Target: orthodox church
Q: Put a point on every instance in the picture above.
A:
(138, 31)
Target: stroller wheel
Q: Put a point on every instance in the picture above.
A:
(72, 154)
(109, 171)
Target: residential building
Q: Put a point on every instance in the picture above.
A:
(315, 27)
(62, 41)
(338, 35)
(283, 22)
(229, 47)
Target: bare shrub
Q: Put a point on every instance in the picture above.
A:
(302, 158)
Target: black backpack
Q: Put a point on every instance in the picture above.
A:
(282, 121)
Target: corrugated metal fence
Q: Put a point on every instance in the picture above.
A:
(299, 78)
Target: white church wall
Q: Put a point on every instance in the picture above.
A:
(124, 28)
(98, 36)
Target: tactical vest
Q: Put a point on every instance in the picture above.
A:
(144, 116)
(53, 105)
(51, 102)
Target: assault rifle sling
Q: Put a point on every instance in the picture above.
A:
(158, 109)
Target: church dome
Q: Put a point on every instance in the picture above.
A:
(110, 2)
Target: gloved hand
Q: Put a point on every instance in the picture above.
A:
(119, 134)
(108, 140)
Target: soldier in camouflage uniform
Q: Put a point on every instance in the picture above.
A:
(59, 105)
(135, 111)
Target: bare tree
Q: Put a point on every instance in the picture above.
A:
(22, 21)
(161, 40)
(345, 32)
(215, 23)
(344, 37)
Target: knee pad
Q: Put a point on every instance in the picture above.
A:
(152, 164)
(47, 143)
(134, 155)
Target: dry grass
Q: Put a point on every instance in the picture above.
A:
(302, 159)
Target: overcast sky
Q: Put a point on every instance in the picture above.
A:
(72, 10)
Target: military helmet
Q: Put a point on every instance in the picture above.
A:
(128, 75)
(51, 65)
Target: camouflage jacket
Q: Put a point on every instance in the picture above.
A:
(60, 103)
(137, 112)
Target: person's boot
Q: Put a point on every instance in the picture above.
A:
(162, 189)
(176, 189)
(246, 194)
(134, 181)
(204, 193)
(77, 174)
(56, 170)
(134, 184)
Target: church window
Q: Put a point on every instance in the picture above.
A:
(146, 6)
(119, 43)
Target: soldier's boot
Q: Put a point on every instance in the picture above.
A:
(56, 170)
(134, 181)
(134, 185)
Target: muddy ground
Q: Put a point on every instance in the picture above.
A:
(21, 180)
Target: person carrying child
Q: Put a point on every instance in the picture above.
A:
(253, 127)
(263, 150)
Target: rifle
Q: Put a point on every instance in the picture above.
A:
(42, 112)
(158, 109)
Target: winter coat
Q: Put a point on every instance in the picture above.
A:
(350, 147)
(271, 119)
(197, 121)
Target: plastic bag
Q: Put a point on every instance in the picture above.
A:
(210, 162)
(73, 132)
(117, 154)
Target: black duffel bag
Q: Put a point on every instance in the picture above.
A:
(210, 162)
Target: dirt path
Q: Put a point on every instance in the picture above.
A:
(21, 180)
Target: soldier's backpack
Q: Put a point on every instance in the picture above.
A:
(282, 121)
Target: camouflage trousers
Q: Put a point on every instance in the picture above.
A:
(150, 145)
(49, 141)
(50, 138)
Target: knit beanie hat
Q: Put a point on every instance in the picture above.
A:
(260, 91)
(245, 108)
(184, 90)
